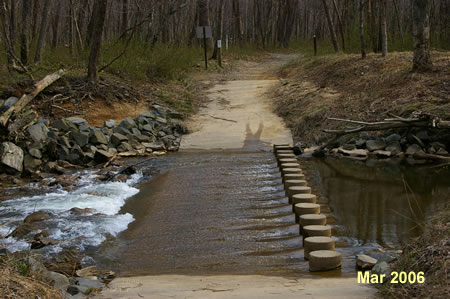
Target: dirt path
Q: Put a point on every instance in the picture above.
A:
(228, 223)
(239, 110)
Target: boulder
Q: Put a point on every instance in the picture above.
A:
(38, 132)
(62, 152)
(22, 230)
(412, 149)
(118, 138)
(437, 146)
(136, 132)
(11, 156)
(64, 125)
(37, 216)
(85, 285)
(393, 138)
(161, 121)
(31, 164)
(377, 144)
(143, 138)
(102, 156)
(365, 262)
(56, 280)
(41, 242)
(360, 143)
(35, 153)
(125, 147)
(394, 147)
(122, 130)
(154, 146)
(98, 137)
(128, 123)
(77, 120)
(382, 268)
(85, 128)
(53, 167)
(349, 147)
(423, 135)
(8, 104)
(80, 138)
(148, 115)
(110, 123)
(63, 140)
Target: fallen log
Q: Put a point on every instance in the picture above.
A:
(27, 98)
(425, 156)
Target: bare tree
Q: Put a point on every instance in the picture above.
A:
(99, 15)
(361, 28)
(421, 34)
(384, 47)
(42, 31)
(331, 26)
(341, 26)
(24, 35)
(124, 25)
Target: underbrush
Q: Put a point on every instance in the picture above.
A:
(348, 87)
(429, 254)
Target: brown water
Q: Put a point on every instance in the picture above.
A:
(226, 213)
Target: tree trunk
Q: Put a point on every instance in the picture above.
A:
(24, 35)
(237, 20)
(341, 26)
(421, 35)
(219, 29)
(99, 16)
(42, 31)
(12, 23)
(124, 16)
(373, 25)
(55, 25)
(384, 47)
(331, 26)
(361, 29)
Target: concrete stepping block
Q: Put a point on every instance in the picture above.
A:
(287, 160)
(290, 165)
(302, 198)
(281, 147)
(291, 183)
(316, 231)
(305, 208)
(291, 191)
(324, 260)
(280, 152)
(285, 171)
(311, 219)
(311, 244)
(284, 156)
(293, 176)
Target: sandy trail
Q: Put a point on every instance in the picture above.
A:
(238, 113)
(239, 110)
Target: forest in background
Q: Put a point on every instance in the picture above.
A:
(155, 38)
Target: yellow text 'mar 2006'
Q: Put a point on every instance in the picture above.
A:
(366, 277)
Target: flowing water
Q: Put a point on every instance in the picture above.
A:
(226, 213)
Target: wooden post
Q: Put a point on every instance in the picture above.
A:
(219, 52)
(315, 45)
(205, 45)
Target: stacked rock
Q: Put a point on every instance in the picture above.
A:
(319, 247)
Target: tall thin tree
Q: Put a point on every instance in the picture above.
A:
(421, 34)
(331, 26)
(99, 15)
(42, 30)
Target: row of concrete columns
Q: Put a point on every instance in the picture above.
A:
(319, 247)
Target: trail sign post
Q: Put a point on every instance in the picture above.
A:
(219, 52)
(204, 32)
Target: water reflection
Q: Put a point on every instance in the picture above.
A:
(378, 202)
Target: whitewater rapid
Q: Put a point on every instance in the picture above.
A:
(72, 230)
